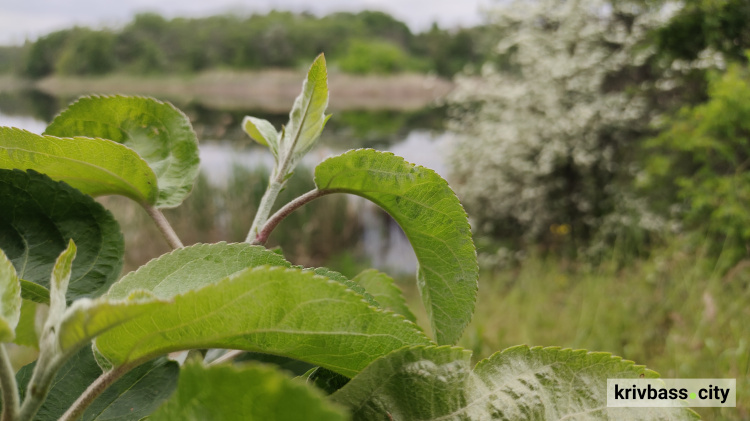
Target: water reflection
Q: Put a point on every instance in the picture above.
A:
(31, 124)
(234, 170)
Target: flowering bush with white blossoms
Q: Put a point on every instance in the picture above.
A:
(547, 132)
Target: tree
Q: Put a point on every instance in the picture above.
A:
(448, 51)
(545, 134)
(153, 44)
(364, 56)
(42, 54)
(719, 25)
(87, 52)
(697, 168)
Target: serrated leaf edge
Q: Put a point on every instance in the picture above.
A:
(191, 247)
(151, 199)
(180, 112)
(309, 274)
(412, 167)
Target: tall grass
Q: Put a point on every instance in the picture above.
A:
(310, 236)
(673, 312)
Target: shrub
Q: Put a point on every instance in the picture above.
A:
(363, 57)
(697, 168)
(545, 134)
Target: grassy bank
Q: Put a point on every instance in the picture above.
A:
(671, 312)
(270, 90)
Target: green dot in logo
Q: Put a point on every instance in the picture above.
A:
(692, 395)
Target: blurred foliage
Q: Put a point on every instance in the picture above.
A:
(374, 56)
(312, 235)
(11, 58)
(309, 236)
(453, 52)
(699, 166)
(372, 128)
(42, 55)
(361, 42)
(349, 128)
(552, 133)
(545, 134)
(701, 37)
(86, 52)
(721, 25)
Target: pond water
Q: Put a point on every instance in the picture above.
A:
(227, 155)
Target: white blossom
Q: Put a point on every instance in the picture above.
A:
(551, 103)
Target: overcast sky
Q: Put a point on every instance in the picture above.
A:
(22, 19)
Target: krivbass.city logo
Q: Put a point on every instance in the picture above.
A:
(671, 393)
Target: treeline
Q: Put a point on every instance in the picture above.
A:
(365, 42)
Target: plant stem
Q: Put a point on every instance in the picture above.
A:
(262, 236)
(269, 225)
(278, 178)
(164, 227)
(9, 387)
(40, 383)
(94, 390)
(264, 209)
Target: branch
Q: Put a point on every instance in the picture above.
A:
(287, 209)
(164, 227)
(45, 371)
(9, 387)
(94, 390)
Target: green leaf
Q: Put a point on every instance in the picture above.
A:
(137, 394)
(307, 118)
(102, 362)
(196, 266)
(263, 132)
(34, 292)
(193, 267)
(432, 218)
(26, 330)
(337, 276)
(157, 131)
(86, 319)
(287, 312)
(520, 383)
(10, 299)
(94, 166)
(44, 215)
(251, 392)
(385, 291)
(60, 279)
(417, 383)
